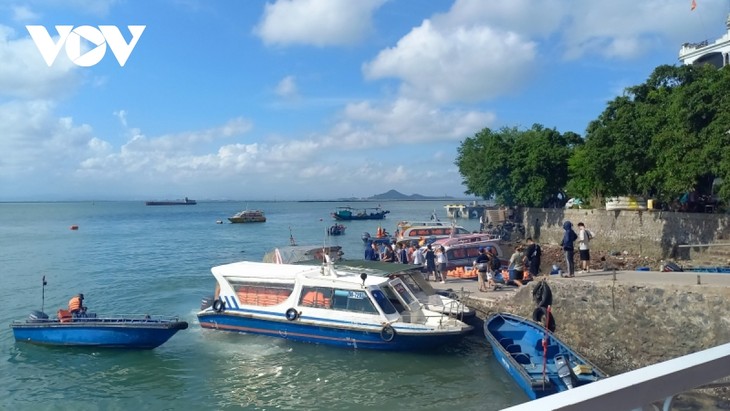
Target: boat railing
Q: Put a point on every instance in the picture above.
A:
(117, 318)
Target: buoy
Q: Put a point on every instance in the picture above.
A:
(74, 227)
(218, 221)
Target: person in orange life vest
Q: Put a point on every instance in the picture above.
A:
(76, 304)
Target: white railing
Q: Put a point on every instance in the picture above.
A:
(638, 389)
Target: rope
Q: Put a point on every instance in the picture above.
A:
(544, 346)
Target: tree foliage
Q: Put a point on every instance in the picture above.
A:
(517, 167)
(665, 137)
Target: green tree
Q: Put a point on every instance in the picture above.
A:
(517, 167)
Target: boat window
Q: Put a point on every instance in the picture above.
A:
(411, 283)
(383, 302)
(400, 288)
(472, 252)
(261, 294)
(316, 297)
(352, 300)
(456, 253)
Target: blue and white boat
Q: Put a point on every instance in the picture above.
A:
(535, 358)
(320, 304)
(89, 330)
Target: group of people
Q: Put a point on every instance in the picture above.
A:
(524, 265)
(584, 237)
(433, 261)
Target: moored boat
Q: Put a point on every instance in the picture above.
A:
(352, 214)
(413, 278)
(428, 231)
(539, 362)
(90, 330)
(321, 304)
(248, 216)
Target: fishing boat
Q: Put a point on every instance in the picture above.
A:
(90, 330)
(82, 329)
(320, 304)
(185, 201)
(535, 358)
(352, 214)
(248, 216)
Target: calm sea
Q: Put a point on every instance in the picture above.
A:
(130, 258)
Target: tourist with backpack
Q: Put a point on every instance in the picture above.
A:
(584, 238)
(569, 237)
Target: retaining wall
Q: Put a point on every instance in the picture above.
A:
(653, 234)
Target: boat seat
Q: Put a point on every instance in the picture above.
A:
(522, 358)
(552, 349)
(506, 341)
(513, 348)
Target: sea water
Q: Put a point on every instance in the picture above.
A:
(126, 257)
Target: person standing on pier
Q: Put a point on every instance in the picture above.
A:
(584, 238)
(430, 263)
(569, 237)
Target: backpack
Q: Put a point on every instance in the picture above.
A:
(496, 263)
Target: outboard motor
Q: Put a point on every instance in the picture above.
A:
(365, 237)
(206, 302)
(564, 371)
(37, 316)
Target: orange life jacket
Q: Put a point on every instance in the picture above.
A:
(74, 304)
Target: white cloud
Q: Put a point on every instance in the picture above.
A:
(403, 121)
(287, 87)
(23, 13)
(35, 140)
(23, 73)
(316, 22)
(122, 116)
(460, 64)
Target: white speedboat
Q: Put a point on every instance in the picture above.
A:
(321, 304)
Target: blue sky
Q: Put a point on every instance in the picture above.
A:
(310, 99)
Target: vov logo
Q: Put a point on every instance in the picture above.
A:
(71, 38)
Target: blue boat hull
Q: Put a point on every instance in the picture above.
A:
(141, 335)
(517, 344)
(341, 335)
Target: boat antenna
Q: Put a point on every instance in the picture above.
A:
(43, 295)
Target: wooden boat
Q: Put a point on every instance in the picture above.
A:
(352, 214)
(185, 201)
(535, 358)
(320, 304)
(248, 216)
(90, 330)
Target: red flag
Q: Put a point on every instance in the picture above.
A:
(694, 4)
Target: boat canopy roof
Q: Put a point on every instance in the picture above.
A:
(371, 268)
(295, 253)
(281, 273)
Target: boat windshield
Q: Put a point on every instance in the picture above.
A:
(383, 302)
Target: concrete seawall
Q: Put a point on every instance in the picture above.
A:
(641, 318)
(654, 234)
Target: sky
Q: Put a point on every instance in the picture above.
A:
(305, 99)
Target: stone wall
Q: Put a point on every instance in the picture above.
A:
(655, 234)
(621, 327)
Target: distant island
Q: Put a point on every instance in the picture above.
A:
(397, 196)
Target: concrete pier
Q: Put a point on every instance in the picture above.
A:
(624, 321)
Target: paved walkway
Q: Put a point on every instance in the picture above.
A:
(627, 277)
